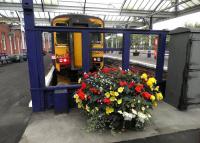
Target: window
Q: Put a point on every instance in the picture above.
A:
(96, 37)
(11, 48)
(3, 40)
(62, 37)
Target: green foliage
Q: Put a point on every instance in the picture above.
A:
(116, 99)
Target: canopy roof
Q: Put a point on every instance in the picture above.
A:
(115, 13)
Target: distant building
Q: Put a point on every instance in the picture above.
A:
(11, 41)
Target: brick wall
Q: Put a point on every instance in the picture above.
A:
(12, 40)
(12, 43)
(4, 40)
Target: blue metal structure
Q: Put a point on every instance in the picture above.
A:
(45, 97)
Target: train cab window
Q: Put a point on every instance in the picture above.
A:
(62, 37)
(96, 37)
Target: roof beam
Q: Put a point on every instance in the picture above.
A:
(84, 7)
(49, 17)
(98, 10)
(158, 5)
(189, 10)
(156, 12)
(46, 21)
(42, 3)
(17, 15)
(176, 6)
(122, 6)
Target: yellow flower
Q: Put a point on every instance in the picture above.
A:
(79, 80)
(76, 96)
(151, 81)
(80, 105)
(157, 88)
(109, 110)
(159, 96)
(119, 101)
(97, 109)
(155, 104)
(107, 94)
(152, 98)
(87, 108)
(116, 94)
(144, 76)
(112, 93)
(112, 98)
(78, 100)
(120, 89)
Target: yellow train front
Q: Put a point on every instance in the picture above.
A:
(68, 46)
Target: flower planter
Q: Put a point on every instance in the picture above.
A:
(117, 99)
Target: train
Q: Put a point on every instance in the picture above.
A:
(68, 46)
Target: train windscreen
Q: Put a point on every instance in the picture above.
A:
(62, 37)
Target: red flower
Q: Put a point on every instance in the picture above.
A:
(94, 90)
(138, 88)
(83, 85)
(122, 83)
(131, 84)
(89, 97)
(114, 69)
(106, 101)
(123, 72)
(106, 70)
(146, 95)
(81, 94)
(85, 76)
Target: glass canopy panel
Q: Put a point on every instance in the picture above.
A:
(37, 1)
(3, 13)
(116, 4)
(131, 4)
(184, 6)
(190, 3)
(161, 5)
(50, 2)
(95, 13)
(155, 4)
(144, 4)
(71, 3)
(196, 2)
(148, 7)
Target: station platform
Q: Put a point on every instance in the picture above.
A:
(14, 99)
(168, 125)
(140, 60)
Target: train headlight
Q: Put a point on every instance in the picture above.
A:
(60, 60)
(95, 59)
(98, 59)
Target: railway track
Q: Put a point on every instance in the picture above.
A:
(134, 67)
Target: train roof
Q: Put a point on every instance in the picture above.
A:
(76, 15)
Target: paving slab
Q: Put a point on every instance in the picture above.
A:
(14, 99)
(48, 127)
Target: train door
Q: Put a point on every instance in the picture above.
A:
(76, 47)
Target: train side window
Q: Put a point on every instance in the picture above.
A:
(62, 37)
